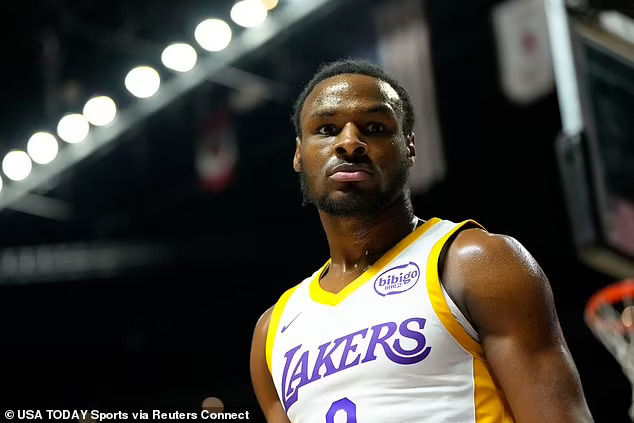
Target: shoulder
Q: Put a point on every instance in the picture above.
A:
(262, 325)
(482, 253)
(484, 268)
(268, 321)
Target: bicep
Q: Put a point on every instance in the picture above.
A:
(540, 384)
(510, 301)
(261, 377)
(527, 353)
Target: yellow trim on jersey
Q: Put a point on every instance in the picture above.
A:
(320, 295)
(439, 302)
(489, 402)
(274, 323)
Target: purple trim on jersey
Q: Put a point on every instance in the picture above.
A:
(390, 342)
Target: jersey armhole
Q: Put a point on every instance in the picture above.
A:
(439, 301)
(459, 316)
(274, 323)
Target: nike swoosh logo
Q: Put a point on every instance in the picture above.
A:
(290, 323)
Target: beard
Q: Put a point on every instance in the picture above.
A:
(355, 201)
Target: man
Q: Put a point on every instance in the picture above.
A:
(408, 321)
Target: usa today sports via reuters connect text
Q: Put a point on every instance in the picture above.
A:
(95, 415)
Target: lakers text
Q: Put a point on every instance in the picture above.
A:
(100, 416)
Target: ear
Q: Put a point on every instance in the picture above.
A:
(410, 143)
(297, 159)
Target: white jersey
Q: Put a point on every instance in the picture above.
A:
(389, 347)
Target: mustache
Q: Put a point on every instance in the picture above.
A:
(361, 160)
(356, 159)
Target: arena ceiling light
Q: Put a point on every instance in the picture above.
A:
(270, 4)
(143, 81)
(17, 165)
(179, 57)
(73, 128)
(42, 147)
(100, 111)
(248, 13)
(211, 68)
(213, 34)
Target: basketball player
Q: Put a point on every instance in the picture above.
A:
(409, 320)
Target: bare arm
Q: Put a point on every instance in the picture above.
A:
(508, 298)
(261, 377)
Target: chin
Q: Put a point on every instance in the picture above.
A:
(348, 204)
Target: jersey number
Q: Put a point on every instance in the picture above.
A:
(343, 404)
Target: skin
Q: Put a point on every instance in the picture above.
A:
(494, 281)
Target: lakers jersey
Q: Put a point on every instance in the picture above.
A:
(389, 347)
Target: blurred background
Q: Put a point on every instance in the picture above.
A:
(149, 212)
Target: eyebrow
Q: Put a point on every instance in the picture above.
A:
(332, 111)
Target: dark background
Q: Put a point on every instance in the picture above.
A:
(178, 328)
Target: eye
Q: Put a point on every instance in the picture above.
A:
(375, 128)
(327, 130)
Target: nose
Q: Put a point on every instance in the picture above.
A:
(350, 143)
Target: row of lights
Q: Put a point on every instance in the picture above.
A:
(142, 82)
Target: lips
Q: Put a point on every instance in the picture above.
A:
(348, 172)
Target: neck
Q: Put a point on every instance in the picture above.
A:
(358, 242)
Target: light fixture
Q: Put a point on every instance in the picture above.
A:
(17, 165)
(248, 13)
(100, 111)
(213, 34)
(143, 81)
(270, 4)
(179, 57)
(42, 147)
(73, 128)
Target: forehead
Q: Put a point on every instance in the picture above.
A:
(350, 91)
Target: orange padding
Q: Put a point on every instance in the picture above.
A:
(610, 294)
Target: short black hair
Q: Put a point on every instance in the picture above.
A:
(360, 67)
